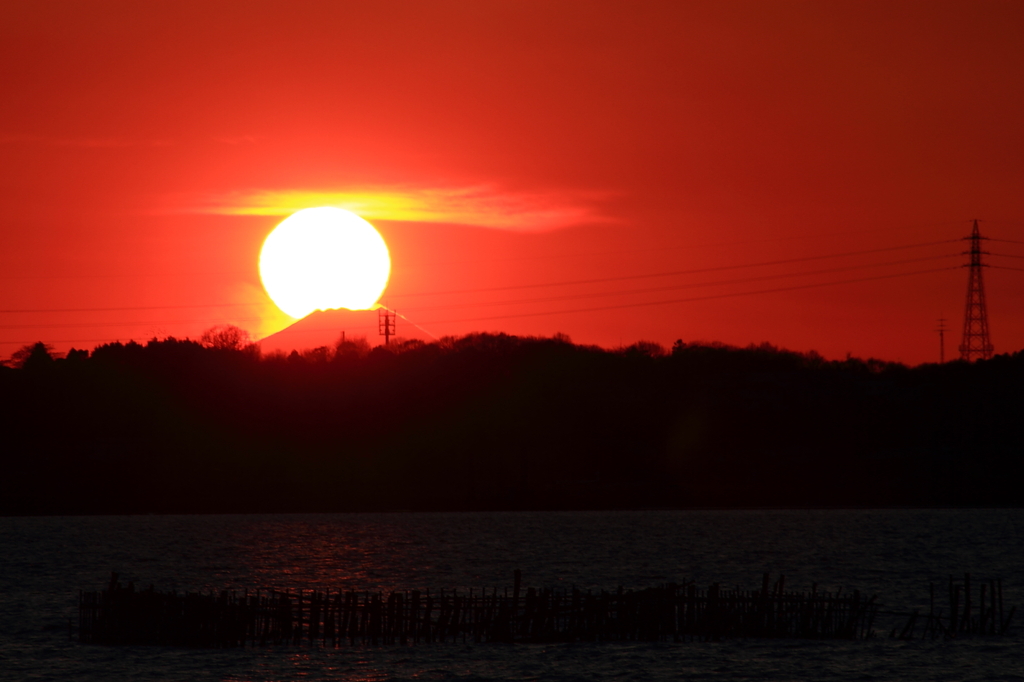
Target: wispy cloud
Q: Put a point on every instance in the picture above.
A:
(481, 205)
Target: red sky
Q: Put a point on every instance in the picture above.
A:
(547, 161)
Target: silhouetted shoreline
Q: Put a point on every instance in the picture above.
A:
(493, 422)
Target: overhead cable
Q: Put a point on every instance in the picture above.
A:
(512, 287)
(679, 272)
(676, 287)
(683, 300)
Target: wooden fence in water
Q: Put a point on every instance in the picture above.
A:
(965, 616)
(672, 612)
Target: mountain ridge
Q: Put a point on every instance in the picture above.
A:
(325, 328)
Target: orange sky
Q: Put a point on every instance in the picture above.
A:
(547, 162)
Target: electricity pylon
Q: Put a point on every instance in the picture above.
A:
(385, 323)
(942, 329)
(975, 342)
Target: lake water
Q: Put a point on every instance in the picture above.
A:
(44, 562)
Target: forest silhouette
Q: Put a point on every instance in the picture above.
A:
(492, 421)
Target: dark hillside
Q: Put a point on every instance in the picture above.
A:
(499, 422)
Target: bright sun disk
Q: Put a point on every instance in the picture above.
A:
(324, 258)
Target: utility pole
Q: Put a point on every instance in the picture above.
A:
(975, 343)
(385, 323)
(942, 339)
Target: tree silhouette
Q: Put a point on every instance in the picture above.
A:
(226, 337)
(352, 347)
(34, 356)
(650, 349)
(497, 421)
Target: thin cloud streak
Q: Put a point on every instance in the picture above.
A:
(481, 206)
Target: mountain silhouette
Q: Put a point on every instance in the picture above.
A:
(325, 327)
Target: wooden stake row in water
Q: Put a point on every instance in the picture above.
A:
(122, 615)
(984, 617)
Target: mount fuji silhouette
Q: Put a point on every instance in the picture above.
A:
(325, 328)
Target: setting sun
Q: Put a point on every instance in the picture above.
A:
(323, 258)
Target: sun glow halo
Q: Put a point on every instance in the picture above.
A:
(323, 258)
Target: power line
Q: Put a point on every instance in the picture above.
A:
(816, 235)
(16, 343)
(516, 301)
(680, 272)
(94, 275)
(122, 324)
(118, 340)
(685, 300)
(659, 249)
(145, 307)
(622, 306)
(691, 285)
(516, 287)
(706, 298)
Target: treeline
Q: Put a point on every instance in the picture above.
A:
(499, 422)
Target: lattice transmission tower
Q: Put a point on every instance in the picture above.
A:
(386, 323)
(975, 342)
(942, 329)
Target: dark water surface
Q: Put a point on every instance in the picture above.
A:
(44, 562)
